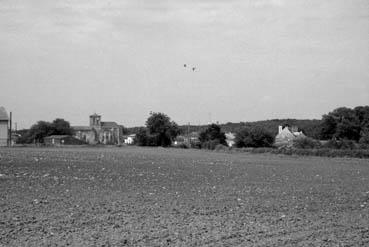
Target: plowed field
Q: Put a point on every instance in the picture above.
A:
(172, 197)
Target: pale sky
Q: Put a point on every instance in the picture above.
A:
(255, 59)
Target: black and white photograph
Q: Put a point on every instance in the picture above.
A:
(184, 123)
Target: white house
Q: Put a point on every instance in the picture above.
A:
(286, 135)
(230, 139)
(130, 139)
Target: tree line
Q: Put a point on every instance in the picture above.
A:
(346, 123)
(42, 129)
(342, 127)
(311, 127)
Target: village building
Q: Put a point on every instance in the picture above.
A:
(286, 135)
(4, 127)
(180, 140)
(193, 137)
(190, 139)
(129, 139)
(99, 132)
(61, 140)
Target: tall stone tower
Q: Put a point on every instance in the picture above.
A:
(95, 121)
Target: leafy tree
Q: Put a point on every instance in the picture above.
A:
(23, 136)
(328, 127)
(159, 131)
(254, 137)
(61, 127)
(362, 114)
(347, 129)
(345, 123)
(141, 137)
(310, 127)
(306, 143)
(212, 136)
(124, 130)
(364, 138)
(40, 130)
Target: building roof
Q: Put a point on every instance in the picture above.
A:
(131, 135)
(3, 114)
(109, 125)
(194, 134)
(56, 136)
(299, 134)
(285, 133)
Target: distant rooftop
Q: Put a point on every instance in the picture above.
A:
(109, 125)
(56, 136)
(3, 114)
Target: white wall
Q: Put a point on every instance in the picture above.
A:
(4, 133)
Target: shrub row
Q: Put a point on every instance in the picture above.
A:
(324, 152)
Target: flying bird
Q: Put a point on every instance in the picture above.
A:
(192, 68)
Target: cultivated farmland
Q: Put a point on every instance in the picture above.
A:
(173, 197)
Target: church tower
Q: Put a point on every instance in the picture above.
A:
(95, 121)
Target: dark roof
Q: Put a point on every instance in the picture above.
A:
(194, 134)
(3, 114)
(109, 125)
(131, 135)
(81, 128)
(56, 137)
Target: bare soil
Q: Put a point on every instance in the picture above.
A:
(172, 197)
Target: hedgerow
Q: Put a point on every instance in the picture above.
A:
(323, 152)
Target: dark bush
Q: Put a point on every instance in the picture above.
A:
(221, 147)
(363, 145)
(210, 144)
(306, 143)
(364, 138)
(141, 137)
(324, 152)
(195, 144)
(340, 144)
(254, 137)
(211, 137)
(182, 145)
(261, 150)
